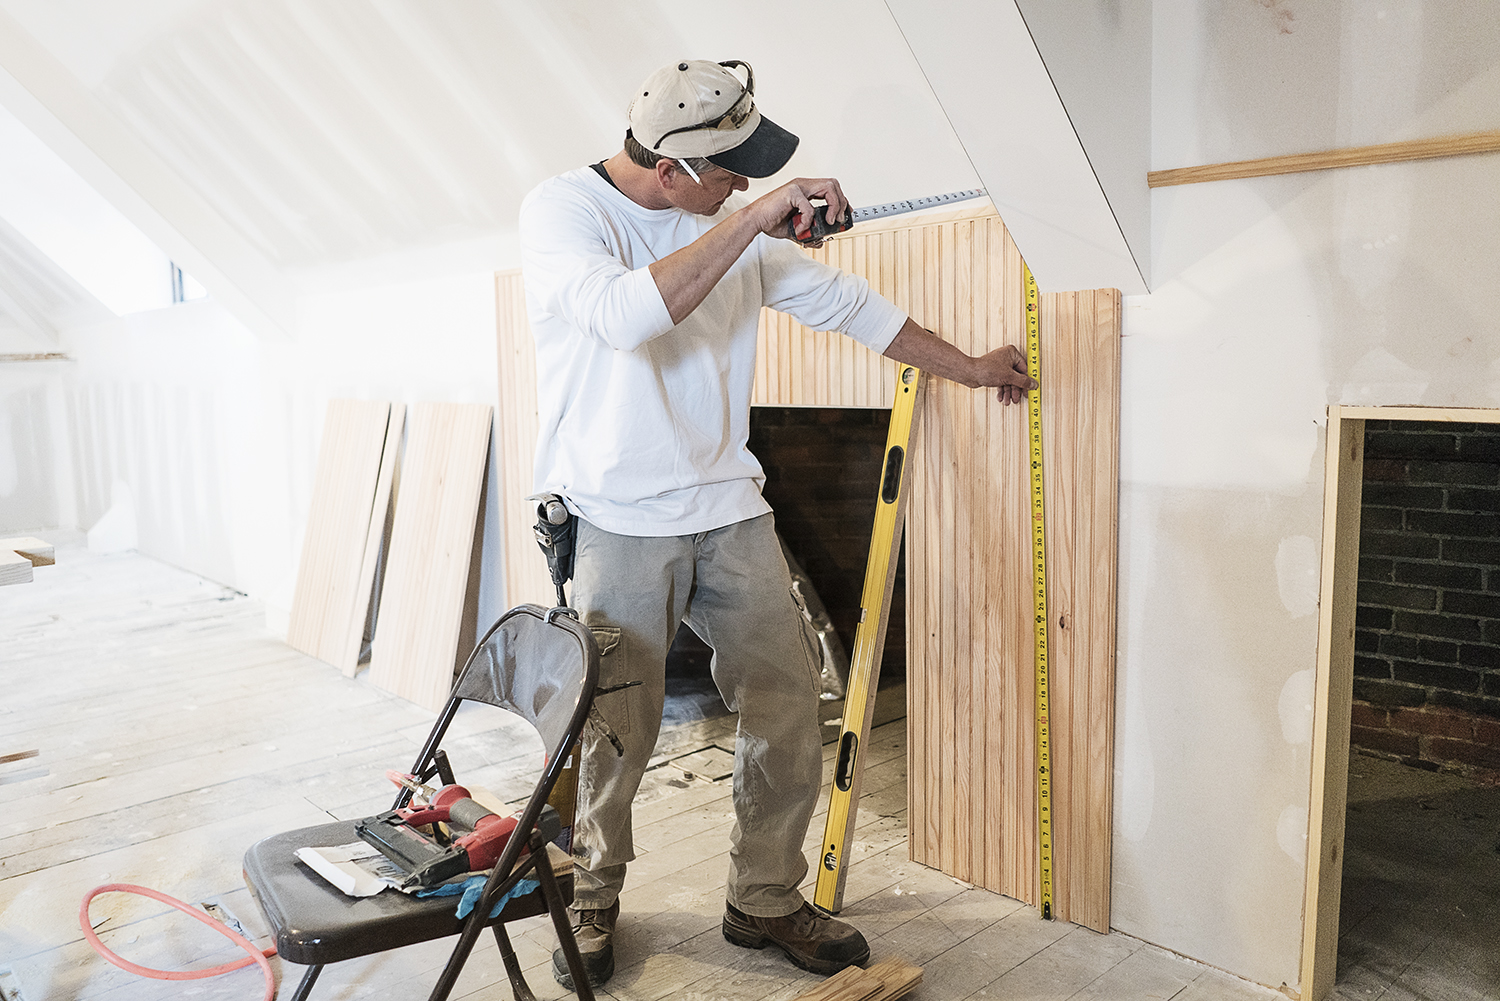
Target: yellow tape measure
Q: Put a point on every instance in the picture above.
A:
(1039, 597)
(869, 642)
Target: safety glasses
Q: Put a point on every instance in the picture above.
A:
(730, 120)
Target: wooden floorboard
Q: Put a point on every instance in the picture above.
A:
(174, 732)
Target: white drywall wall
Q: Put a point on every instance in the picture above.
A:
(36, 488)
(214, 431)
(1273, 298)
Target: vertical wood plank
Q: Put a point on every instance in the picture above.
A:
(1019, 812)
(328, 602)
(526, 578)
(415, 650)
(365, 591)
(1343, 473)
(1103, 562)
(1060, 438)
(972, 306)
(1000, 646)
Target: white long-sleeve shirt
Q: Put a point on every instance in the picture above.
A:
(643, 425)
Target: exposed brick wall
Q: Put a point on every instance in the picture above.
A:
(822, 473)
(1427, 639)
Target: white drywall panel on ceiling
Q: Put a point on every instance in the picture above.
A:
(1274, 297)
(339, 131)
(994, 87)
(1098, 56)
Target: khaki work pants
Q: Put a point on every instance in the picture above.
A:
(732, 587)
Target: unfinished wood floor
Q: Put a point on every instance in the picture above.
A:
(174, 732)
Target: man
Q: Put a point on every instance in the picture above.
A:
(644, 278)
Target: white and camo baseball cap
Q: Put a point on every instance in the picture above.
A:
(702, 108)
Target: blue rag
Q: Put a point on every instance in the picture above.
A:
(472, 887)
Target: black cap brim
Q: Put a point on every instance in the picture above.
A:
(766, 151)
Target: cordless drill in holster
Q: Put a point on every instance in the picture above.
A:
(555, 530)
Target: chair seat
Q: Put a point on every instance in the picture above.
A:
(330, 926)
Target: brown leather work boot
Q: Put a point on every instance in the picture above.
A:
(810, 938)
(595, 932)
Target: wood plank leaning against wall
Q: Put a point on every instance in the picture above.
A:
(420, 634)
(341, 542)
(970, 662)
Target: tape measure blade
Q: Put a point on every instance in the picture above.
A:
(1040, 619)
(869, 640)
(904, 206)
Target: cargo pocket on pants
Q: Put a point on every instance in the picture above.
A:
(812, 654)
(614, 707)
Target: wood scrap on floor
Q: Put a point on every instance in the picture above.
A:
(40, 553)
(332, 595)
(884, 981)
(427, 575)
(14, 568)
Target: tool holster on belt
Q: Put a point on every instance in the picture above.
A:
(555, 532)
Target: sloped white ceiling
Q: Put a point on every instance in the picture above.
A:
(36, 295)
(334, 130)
(293, 142)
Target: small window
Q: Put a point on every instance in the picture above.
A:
(183, 286)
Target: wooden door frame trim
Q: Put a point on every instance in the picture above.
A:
(1334, 684)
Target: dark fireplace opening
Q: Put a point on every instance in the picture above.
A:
(1427, 638)
(823, 468)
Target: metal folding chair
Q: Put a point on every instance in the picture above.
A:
(540, 665)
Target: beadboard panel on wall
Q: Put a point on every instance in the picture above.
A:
(970, 676)
(970, 698)
(971, 665)
(1080, 347)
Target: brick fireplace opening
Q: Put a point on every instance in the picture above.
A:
(1427, 637)
(823, 469)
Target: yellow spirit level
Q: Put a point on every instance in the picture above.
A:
(869, 641)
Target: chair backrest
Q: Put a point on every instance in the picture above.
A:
(541, 665)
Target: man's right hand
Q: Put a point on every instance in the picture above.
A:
(685, 277)
(770, 212)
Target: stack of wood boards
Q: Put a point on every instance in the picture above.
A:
(19, 555)
(340, 549)
(884, 981)
(428, 570)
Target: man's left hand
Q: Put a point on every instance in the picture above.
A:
(1005, 369)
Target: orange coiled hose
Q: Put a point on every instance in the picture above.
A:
(255, 955)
